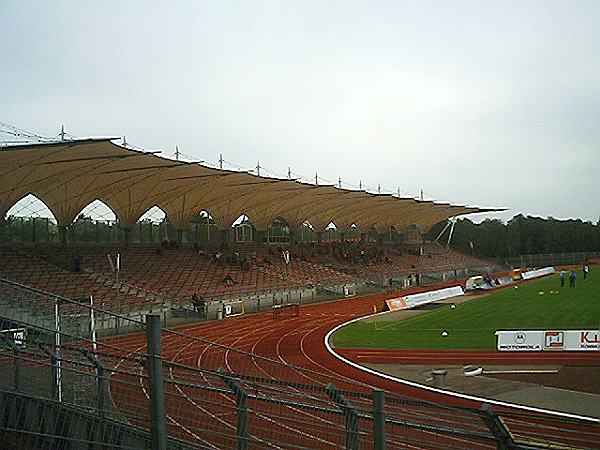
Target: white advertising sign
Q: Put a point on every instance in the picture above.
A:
(578, 340)
(520, 341)
(537, 273)
(432, 296)
(570, 340)
(422, 298)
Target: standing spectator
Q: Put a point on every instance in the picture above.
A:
(195, 301)
(572, 278)
(586, 269)
(562, 278)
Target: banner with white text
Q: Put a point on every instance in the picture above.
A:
(552, 340)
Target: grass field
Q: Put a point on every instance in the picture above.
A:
(471, 325)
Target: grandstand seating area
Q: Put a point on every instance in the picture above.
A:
(24, 267)
(364, 260)
(151, 274)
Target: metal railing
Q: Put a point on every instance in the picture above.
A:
(552, 259)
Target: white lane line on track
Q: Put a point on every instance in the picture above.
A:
(294, 331)
(352, 381)
(196, 405)
(171, 419)
(269, 329)
(436, 390)
(254, 331)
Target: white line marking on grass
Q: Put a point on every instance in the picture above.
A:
(436, 390)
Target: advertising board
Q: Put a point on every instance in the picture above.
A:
(548, 340)
(422, 298)
(537, 273)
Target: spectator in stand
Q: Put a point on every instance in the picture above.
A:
(562, 278)
(78, 263)
(245, 265)
(228, 279)
(198, 303)
(218, 258)
(586, 270)
(199, 249)
(572, 278)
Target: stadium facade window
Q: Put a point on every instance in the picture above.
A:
(243, 233)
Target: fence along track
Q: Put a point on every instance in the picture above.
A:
(258, 401)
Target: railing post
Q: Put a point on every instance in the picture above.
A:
(378, 420)
(100, 382)
(493, 422)
(16, 360)
(350, 415)
(16, 367)
(56, 386)
(241, 404)
(158, 424)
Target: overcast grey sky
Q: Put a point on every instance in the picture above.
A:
(476, 102)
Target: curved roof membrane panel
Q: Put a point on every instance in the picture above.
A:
(68, 175)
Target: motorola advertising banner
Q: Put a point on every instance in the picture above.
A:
(533, 341)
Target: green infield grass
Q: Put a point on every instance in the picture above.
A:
(471, 325)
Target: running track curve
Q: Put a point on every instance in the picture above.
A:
(300, 341)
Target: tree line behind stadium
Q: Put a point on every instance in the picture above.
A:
(523, 235)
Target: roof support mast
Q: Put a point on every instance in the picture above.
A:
(453, 221)
(443, 231)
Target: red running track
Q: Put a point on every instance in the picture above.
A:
(299, 341)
